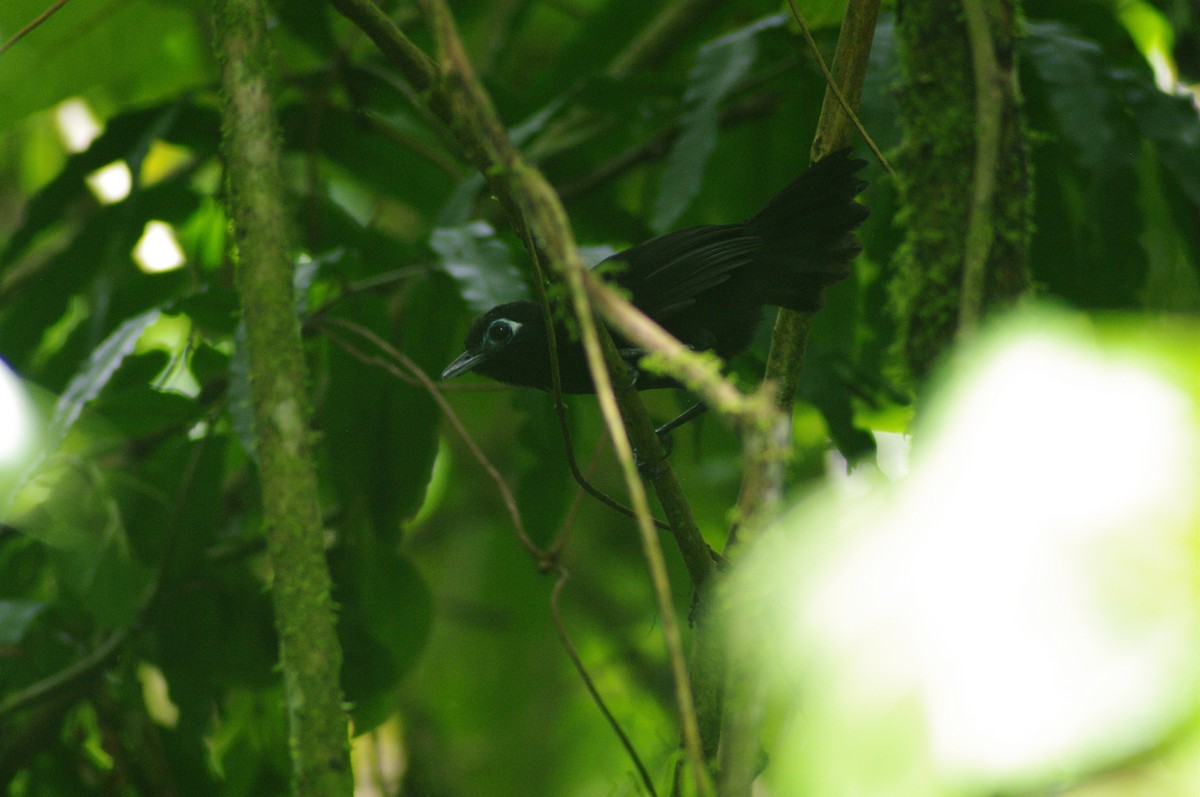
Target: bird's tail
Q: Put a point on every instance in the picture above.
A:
(808, 231)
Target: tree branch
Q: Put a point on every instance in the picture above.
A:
(310, 656)
(789, 339)
(989, 112)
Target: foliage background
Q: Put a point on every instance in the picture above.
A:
(133, 564)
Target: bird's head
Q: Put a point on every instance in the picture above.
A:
(508, 344)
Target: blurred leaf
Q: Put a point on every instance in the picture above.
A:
(202, 235)
(1087, 248)
(172, 499)
(480, 263)
(132, 54)
(720, 66)
(1172, 245)
(212, 632)
(880, 112)
(213, 309)
(543, 490)
(386, 616)
(374, 161)
(521, 132)
(15, 617)
(110, 584)
(824, 384)
(906, 630)
(90, 273)
(88, 382)
(821, 13)
(387, 430)
(623, 96)
(310, 25)
(429, 303)
(248, 748)
(126, 137)
(145, 411)
(1074, 69)
(1171, 122)
(829, 379)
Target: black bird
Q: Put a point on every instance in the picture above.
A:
(705, 285)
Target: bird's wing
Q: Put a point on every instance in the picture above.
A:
(666, 274)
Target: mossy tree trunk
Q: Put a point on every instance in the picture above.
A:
(964, 173)
(309, 653)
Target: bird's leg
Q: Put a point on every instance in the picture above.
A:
(685, 416)
(652, 469)
(631, 356)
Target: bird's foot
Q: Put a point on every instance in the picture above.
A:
(653, 468)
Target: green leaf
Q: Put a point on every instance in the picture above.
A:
(1172, 124)
(134, 53)
(480, 263)
(1074, 70)
(126, 137)
(111, 585)
(15, 618)
(386, 615)
(213, 631)
(382, 456)
(543, 490)
(1087, 249)
(99, 369)
(720, 66)
(372, 161)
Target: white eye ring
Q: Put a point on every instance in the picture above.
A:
(513, 327)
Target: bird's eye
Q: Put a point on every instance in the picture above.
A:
(501, 331)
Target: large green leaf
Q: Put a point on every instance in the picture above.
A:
(480, 263)
(1086, 248)
(543, 489)
(720, 66)
(15, 617)
(95, 374)
(131, 53)
(386, 616)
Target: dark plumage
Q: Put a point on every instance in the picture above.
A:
(705, 285)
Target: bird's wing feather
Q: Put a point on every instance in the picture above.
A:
(666, 274)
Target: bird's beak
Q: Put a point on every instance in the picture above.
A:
(463, 363)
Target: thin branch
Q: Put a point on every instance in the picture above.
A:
(789, 339)
(590, 685)
(560, 407)
(564, 531)
(73, 672)
(698, 371)
(623, 422)
(543, 559)
(417, 67)
(659, 36)
(836, 135)
(25, 31)
(539, 213)
(762, 483)
(989, 111)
